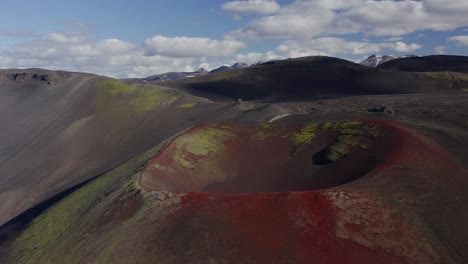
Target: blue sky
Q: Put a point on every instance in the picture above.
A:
(139, 38)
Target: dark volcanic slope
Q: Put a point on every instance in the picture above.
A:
(428, 64)
(312, 78)
(349, 193)
(390, 196)
(59, 129)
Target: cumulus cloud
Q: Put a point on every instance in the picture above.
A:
(306, 19)
(403, 47)
(191, 47)
(395, 18)
(251, 57)
(446, 6)
(334, 46)
(252, 6)
(285, 26)
(75, 51)
(460, 40)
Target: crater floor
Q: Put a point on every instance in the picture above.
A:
(246, 158)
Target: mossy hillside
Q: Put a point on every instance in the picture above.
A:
(116, 98)
(48, 236)
(99, 239)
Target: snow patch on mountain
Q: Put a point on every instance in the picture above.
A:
(376, 60)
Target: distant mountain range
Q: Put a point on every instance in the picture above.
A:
(169, 76)
(380, 61)
(315, 77)
(174, 76)
(233, 67)
(376, 60)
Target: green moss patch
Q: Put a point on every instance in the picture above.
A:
(201, 142)
(308, 132)
(352, 128)
(116, 98)
(349, 136)
(198, 154)
(305, 135)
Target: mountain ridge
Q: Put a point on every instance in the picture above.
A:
(376, 60)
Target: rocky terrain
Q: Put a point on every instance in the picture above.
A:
(304, 160)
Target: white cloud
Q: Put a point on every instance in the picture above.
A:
(403, 47)
(115, 46)
(335, 46)
(440, 49)
(395, 18)
(460, 40)
(306, 19)
(255, 57)
(252, 6)
(286, 25)
(250, 58)
(191, 47)
(75, 51)
(448, 6)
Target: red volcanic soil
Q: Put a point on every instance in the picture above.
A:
(371, 192)
(263, 158)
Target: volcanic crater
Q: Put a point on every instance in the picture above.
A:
(249, 158)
